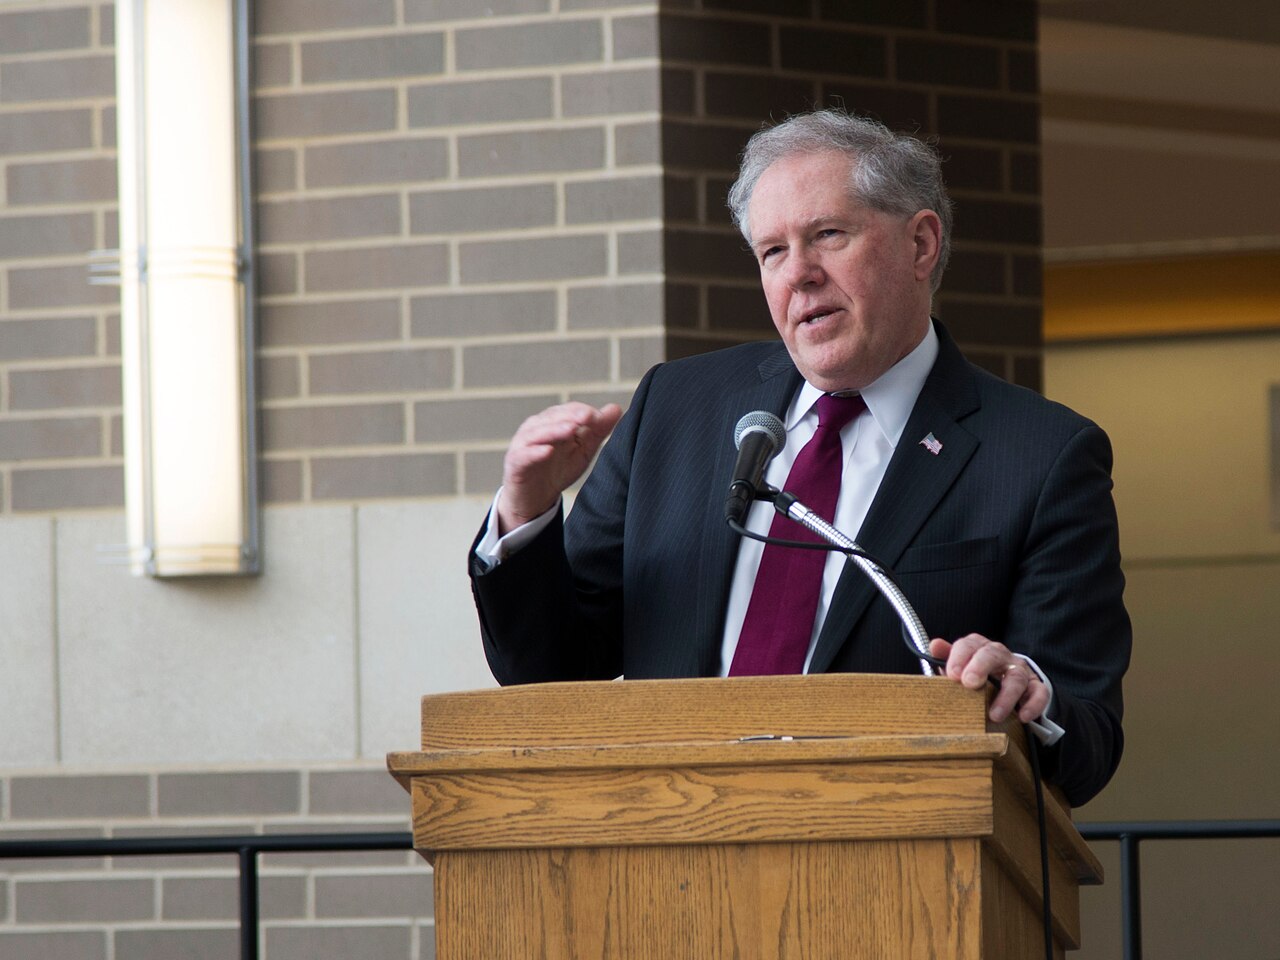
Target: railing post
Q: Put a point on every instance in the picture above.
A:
(1131, 896)
(248, 903)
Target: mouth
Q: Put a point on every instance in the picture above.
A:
(816, 315)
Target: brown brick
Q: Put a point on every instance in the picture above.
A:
(635, 38)
(616, 306)
(483, 314)
(280, 481)
(353, 792)
(543, 258)
(275, 171)
(377, 161)
(999, 221)
(1023, 71)
(39, 30)
(229, 794)
(971, 168)
(272, 65)
(390, 475)
(485, 208)
(640, 251)
(64, 387)
(475, 418)
(381, 371)
(307, 16)
(58, 488)
(638, 354)
(323, 114)
(190, 943)
(833, 51)
(277, 273)
(559, 361)
(948, 63)
(1004, 19)
(278, 377)
(377, 268)
(879, 13)
(48, 337)
(707, 40)
(992, 323)
(610, 92)
(1024, 172)
(83, 901)
(1029, 372)
(740, 309)
(707, 253)
(307, 943)
(372, 58)
(420, 10)
(703, 146)
(678, 91)
(480, 101)
(680, 200)
(1028, 276)
(352, 425)
(975, 271)
(47, 439)
(79, 798)
(893, 106)
(989, 118)
(752, 95)
(338, 321)
(62, 181)
(483, 470)
(615, 199)
(539, 43)
(41, 131)
(64, 945)
(530, 151)
(328, 218)
(63, 78)
(407, 894)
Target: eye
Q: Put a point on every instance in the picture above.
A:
(827, 233)
(768, 252)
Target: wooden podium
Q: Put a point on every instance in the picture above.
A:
(838, 816)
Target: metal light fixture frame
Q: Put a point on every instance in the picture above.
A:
(186, 273)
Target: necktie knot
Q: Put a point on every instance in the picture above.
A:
(834, 412)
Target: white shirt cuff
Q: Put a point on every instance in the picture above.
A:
(492, 549)
(1046, 731)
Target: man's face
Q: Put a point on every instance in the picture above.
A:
(848, 286)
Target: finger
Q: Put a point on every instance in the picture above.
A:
(1015, 681)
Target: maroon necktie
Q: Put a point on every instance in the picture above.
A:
(784, 601)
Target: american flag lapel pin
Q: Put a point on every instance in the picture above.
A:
(931, 444)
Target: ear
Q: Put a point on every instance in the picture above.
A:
(925, 229)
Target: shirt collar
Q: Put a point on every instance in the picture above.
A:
(891, 398)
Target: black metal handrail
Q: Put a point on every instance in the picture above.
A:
(249, 846)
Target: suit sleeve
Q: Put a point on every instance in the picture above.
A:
(1067, 612)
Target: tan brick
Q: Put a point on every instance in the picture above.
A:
(306, 16)
(483, 471)
(637, 354)
(48, 337)
(280, 481)
(610, 92)
(378, 161)
(61, 181)
(39, 30)
(640, 251)
(323, 114)
(407, 894)
(63, 78)
(389, 475)
(58, 488)
(229, 794)
(419, 10)
(218, 898)
(83, 901)
(616, 305)
(277, 273)
(354, 792)
(50, 864)
(487, 208)
(381, 371)
(279, 377)
(79, 798)
(275, 171)
(637, 144)
(482, 314)
(328, 218)
(40, 131)
(372, 58)
(179, 861)
(292, 428)
(190, 943)
(476, 418)
(529, 44)
(530, 151)
(38, 288)
(63, 945)
(480, 101)
(377, 268)
(65, 387)
(543, 258)
(337, 321)
(272, 65)
(560, 361)
(309, 943)
(636, 37)
(614, 199)
(50, 438)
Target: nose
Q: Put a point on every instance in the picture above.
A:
(804, 269)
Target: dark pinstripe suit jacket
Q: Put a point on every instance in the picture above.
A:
(1009, 531)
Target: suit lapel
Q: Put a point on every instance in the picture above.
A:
(915, 481)
(777, 383)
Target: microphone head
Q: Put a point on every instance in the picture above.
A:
(761, 421)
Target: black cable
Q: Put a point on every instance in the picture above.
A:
(1033, 751)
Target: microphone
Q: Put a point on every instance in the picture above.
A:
(758, 436)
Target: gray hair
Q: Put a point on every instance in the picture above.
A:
(891, 172)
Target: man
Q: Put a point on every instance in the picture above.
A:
(991, 504)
